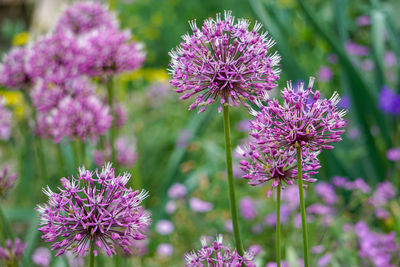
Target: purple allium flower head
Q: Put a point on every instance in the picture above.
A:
(255, 249)
(121, 115)
(109, 52)
(41, 257)
(304, 119)
(125, 148)
(389, 101)
(344, 102)
(363, 20)
(377, 248)
(317, 249)
(164, 227)
(325, 74)
(177, 190)
(55, 58)
(46, 95)
(12, 253)
(384, 192)
(12, 70)
(7, 181)
(367, 65)
(390, 59)
(247, 208)
(393, 154)
(199, 205)
(356, 49)
(228, 226)
(262, 164)
(165, 249)
(170, 207)
(324, 260)
(224, 61)
(79, 117)
(326, 192)
(5, 121)
(217, 254)
(84, 17)
(95, 207)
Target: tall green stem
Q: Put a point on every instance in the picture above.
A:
(278, 225)
(232, 197)
(83, 153)
(110, 97)
(302, 206)
(75, 148)
(60, 158)
(91, 253)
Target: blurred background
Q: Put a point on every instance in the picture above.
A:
(352, 47)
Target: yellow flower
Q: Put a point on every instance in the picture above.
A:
(149, 75)
(15, 100)
(21, 38)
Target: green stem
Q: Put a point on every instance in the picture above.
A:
(278, 225)
(83, 153)
(302, 206)
(60, 158)
(5, 227)
(75, 148)
(91, 253)
(117, 261)
(110, 97)
(232, 197)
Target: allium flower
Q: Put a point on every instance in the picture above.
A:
(7, 181)
(41, 257)
(224, 61)
(363, 20)
(262, 164)
(12, 70)
(170, 207)
(46, 96)
(384, 192)
(96, 207)
(218, 254)
(5, 121)
(325, 74)
(121, 115)
(303, 119)
(324, 260)
(389, 101)
(56, 58)
(356, 49)
(11, 254)
(327, 192)
(393, 154)
(109, 52)
(80, 117)
(247, 208)
(165, 249)
(83, 17)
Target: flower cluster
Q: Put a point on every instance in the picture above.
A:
(12, 70)
(6, 181)
(93, 208)
(218, 254)
(389, 101)
(41, 257)
(224, 61)
(125, 148)
(11, 254)
(5, 121)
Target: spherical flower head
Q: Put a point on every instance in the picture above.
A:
(224, 61)
(164, 227)
(177, 190)
(55, 58)
(7, 181)
(304, 119)
(77, 118)
(12, 70)
(5, 121)
(262, 164)
(217, 254)
(125, 148)
(247, 208)
(165, 249)
(83, 17)
(110, 52)
(12, 253)
(93, 208)
(41, 257)
(199, 205)
(46, 95)
(389, 101)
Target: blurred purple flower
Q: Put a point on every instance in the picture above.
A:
(125, 148)
(247, 208)
(42, 257)
(177, 190)
(383, 193)
(356, 49)
(317, 249)
(325, 74)
(326, 192)
(216, 72)
(390, 59)
(7, 181)
(389, 101)
(363, 20)
(157, 92)
(121, 115)
(12, 253)
(184, 137)
(255, 249)
(344, 102)
(165, 249)
(367, 65)
(12, 70)
(332, 58)
(170, 207)
(6, 119)
(393, 154)
(324, 260)
(243, 126)
(164, 227)
(228, 226)
(199, 205)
